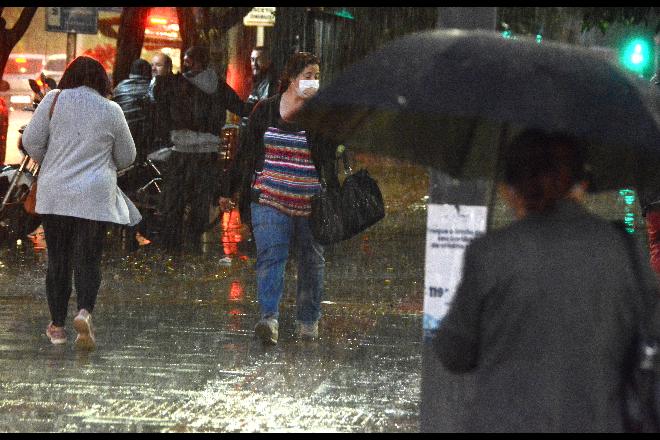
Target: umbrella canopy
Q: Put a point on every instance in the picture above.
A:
(425, 96)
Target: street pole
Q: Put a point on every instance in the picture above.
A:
(454, 205)
(70, 46)
(260, 36)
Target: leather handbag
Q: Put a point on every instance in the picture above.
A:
(641, 380)
(339, 214)
(30, 202)
(325, 220)
(361, 201)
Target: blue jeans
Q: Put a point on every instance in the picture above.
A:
(274, 233)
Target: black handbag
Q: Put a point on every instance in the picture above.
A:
(339, 214)
(326, 221)
(361, 201)
(641, 382)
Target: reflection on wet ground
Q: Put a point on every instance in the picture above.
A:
(176, 351)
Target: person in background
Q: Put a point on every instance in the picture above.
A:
(264, 77)
(197, 102)
(81, 139)
(161, 73)
(285, 162)
(131, 95)
(547, 311)
(264, 85)
(161, 65)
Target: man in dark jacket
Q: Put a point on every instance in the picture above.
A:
(264, 78)
(131, 95)
(161, 71)
(198, 101)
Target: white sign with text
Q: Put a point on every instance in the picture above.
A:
(450, 228)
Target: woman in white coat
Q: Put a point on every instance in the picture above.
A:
(80, 138)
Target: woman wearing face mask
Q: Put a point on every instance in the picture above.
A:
(284, 162)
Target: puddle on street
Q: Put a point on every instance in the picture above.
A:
(176, 348)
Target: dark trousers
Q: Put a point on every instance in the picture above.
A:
(192, 179)
(75, 246)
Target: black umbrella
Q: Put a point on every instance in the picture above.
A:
(429, 97)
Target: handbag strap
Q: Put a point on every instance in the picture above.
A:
(52, 106)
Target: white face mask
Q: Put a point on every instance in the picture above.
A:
(307, 84)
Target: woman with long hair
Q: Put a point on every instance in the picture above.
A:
(285, 162)
(80, 138)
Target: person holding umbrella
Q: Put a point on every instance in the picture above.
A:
(286, 162)
(548, 307)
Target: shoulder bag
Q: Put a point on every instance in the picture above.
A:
(339, 214)
(30, 203)
(361, 200)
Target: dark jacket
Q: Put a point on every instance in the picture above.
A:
(198, 103)
(251, 151)
(544, 316)
(264, 88)
(131, 95)
(159, 92)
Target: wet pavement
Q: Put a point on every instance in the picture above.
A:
(176, 351)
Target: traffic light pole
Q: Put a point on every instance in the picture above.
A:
(71, 41)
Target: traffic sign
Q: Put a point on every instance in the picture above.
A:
(72, 20)
(260, 16)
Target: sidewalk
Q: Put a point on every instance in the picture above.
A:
(176, 351)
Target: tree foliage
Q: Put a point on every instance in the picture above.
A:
(553, 22)
(602, 18)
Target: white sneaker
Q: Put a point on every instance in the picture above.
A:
(307, 331)
(83, 325)
(267, 330)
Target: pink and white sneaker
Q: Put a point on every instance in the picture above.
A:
(83, 325)
(57, 335)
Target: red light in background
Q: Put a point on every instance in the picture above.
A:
(231, 232)
(157, 20)
(238, 81)
(236, 291)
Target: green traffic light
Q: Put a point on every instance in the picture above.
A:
(637, 55)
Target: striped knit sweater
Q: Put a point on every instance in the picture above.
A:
(289, 179)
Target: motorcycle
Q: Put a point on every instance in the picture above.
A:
(142, 182)
(17, 181)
